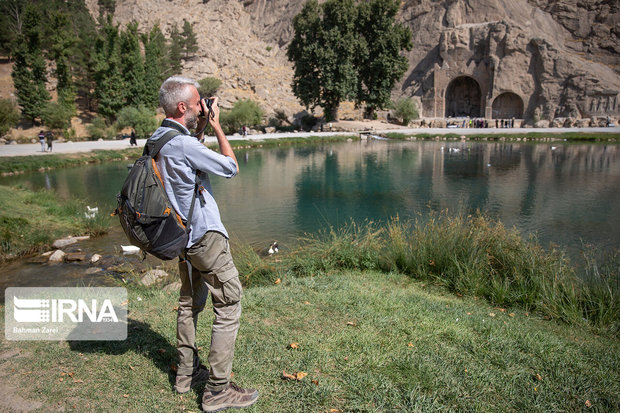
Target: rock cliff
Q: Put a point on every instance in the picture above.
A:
(535, 59)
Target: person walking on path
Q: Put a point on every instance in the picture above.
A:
(132, 139)
(50, 138)
(42, 140)
(208, 266)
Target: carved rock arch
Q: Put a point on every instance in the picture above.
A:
(463, 98)
(507, 105)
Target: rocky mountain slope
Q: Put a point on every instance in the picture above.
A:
(561, 57)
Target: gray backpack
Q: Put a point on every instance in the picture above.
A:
(148, 219)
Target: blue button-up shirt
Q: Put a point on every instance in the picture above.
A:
(178, 162)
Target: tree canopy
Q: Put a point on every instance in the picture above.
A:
(342, 50)
(98, 65)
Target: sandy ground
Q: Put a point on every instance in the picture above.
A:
(375, 127)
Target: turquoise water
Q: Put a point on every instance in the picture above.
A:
(567, 194)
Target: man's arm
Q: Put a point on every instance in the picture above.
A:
(214, 121)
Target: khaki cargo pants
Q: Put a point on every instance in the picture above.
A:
(212, 270)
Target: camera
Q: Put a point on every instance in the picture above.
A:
(208, 104)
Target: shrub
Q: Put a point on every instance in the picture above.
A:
(100, 130)
(9, 116)
(208, 86)
(57, 115)
(140, 118)
(245, 112)
(406, 110)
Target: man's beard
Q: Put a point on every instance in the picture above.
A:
(191, 119)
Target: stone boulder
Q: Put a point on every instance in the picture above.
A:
(57, 256)
(153, 277)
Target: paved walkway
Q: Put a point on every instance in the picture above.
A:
(75, 147)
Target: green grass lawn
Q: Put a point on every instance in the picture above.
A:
(368, 341)
(24, 213)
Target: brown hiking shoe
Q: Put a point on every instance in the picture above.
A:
(184, 383)
(232, 396)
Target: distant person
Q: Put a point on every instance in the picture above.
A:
(132, 138)
(244, 130)
(49, 136)
(42, 140)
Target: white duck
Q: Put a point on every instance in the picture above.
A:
(273, 248)
(91, 212)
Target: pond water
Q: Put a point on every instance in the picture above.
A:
(567, 194)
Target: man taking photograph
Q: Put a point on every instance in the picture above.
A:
(209, 266)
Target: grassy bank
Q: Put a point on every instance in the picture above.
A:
(467, 255)
(30, 221)
(509, 136)
(368, 341)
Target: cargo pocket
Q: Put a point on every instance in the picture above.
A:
(231, 289)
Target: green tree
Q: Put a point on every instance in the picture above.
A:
(11, 19)
(140, 118)
(190, 42)
(29, 71)
(57, 115)
(323, 51)
(406, 110)
(132, 65)
(380, 64)
(155, 65)
(174, 51)
(9, 116)
(106, 8)
(63, 42)
(106, 64)
(244, 112)
(209, 86)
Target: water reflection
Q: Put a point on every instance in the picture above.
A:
(565, 193)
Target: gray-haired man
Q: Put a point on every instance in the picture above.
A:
(211, 268)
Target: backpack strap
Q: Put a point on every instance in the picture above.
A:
(152, 147)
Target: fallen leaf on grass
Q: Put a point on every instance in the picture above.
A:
(410, 344)
(511, 315)
(78, 381)
(588, 404)
(538, 377)
(296, 376)
(161, 351)
(126, 396)
(293, 345)
(491, 314)
(351, 323)
(175, 308)
(315, 382)
(278, 281)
